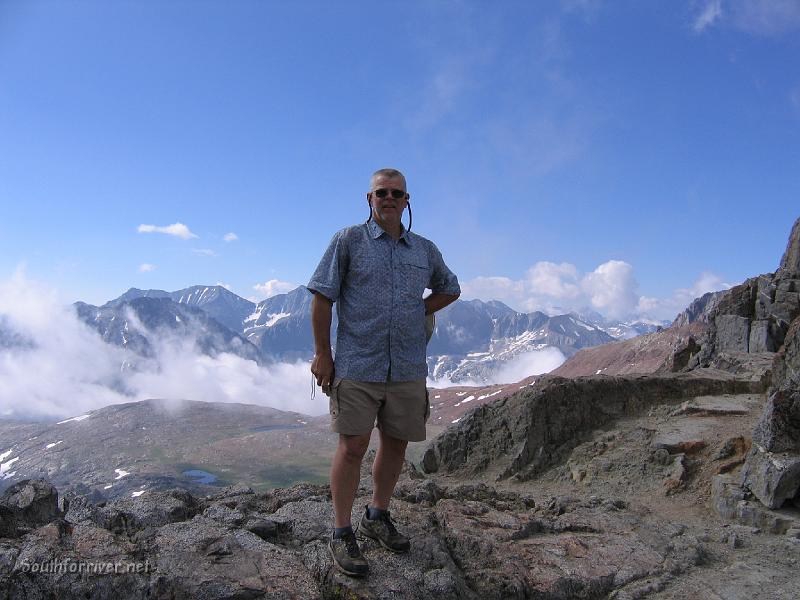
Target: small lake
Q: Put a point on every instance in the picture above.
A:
(279, 426)
(200, 476)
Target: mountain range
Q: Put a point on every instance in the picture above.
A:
(472, 341)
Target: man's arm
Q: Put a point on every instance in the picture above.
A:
(436, 302)
(322, 365)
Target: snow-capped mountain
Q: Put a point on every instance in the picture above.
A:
(216, 301)
(472, 341)
(621, 330)
(137, 323)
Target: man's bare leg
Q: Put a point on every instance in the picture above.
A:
(386, 469)
(345, 473)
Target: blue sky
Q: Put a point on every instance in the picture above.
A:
(623, 156)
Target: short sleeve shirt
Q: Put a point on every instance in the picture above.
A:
(377, 284)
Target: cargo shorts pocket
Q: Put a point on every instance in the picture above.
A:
(334, 398)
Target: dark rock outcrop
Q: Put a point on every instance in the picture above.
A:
(27, 504)
(790, 262)
(524, 434)
(763, 316)
(754, 317)
(699, 309)
(772, 469)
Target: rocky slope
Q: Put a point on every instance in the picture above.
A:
(649, 353)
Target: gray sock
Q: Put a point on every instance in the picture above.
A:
(339, 532)
(374, 513)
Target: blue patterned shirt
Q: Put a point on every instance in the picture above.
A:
(377, 284)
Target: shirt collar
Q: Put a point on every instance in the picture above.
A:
(377, 231)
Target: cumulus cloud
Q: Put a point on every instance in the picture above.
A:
(559, 287)
(146, 268)
(58, 367)
(273, 287)
(611, 289)
(669, 308)
(227, 286)
(230, 237)
(177, 229)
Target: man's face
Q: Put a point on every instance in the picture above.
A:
(388, 209)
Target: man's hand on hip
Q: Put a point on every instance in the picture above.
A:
(322, 368)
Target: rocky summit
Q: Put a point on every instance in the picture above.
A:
(677, 480)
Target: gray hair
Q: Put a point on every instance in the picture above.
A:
(388, 173)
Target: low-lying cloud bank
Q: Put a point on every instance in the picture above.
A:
(611, 289)
(533, 362)
(54, 365)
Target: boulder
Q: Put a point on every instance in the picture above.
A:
(31, 501)
(763, 334)
(733, 333)
(778, 428)
(730, 501)
(771, 477)
(786, 364)
(129, 515)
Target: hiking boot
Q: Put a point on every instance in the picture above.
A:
(347, 555)
(383, 530)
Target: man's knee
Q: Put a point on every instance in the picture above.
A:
(354, 446)
(392, 444)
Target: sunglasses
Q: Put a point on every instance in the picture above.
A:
(383, 192)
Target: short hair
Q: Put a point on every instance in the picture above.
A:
(387, 173)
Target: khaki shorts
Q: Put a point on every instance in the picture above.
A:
(401, 407)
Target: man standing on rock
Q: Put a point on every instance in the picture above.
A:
(377, 273)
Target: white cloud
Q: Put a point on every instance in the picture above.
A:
(611, 289)
(533, 362)
(668, 308)
(204, 252)
(760, 17)
(68, 370)
(146, 268)
(711, 12)
(227, 286)
(230, 237)
(767, 17)
(558, 288)
(273, 287)
(530, 363)
(556, 280)
(177, 229)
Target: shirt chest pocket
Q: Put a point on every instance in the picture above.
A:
(414, 277)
